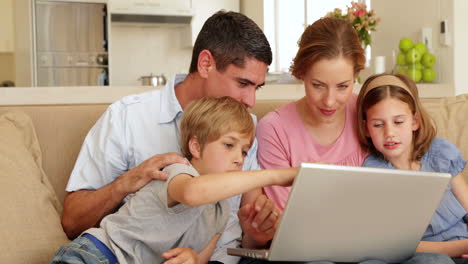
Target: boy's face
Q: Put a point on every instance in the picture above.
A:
(390, 124)
(224, 154)
(238, 83)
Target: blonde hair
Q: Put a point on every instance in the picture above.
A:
(371, 95)
(210, 118)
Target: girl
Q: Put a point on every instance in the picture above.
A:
(394, 128)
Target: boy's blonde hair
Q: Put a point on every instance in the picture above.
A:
(379, 87)
(210, 118)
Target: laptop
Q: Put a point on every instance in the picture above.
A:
(353, 214)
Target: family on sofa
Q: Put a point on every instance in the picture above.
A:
(123, 155)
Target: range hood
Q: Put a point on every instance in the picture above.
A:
(167, 12)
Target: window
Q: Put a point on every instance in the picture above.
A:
(285, 21)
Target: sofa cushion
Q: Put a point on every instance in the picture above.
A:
(30, 211)
(61, 130)
(450, 117)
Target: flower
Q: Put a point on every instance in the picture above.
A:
(362, 20)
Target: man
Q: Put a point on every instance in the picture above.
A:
(132, 141)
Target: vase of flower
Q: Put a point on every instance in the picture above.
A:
(364, 21)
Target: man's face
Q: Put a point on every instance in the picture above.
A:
(238, 83)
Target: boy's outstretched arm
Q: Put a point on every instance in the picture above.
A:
(210, 188)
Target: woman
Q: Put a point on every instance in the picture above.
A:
(321, 126)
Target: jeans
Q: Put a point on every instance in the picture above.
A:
(460, 260)
(418, 258)
(79, 251)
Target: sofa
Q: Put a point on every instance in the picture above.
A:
(38, 148)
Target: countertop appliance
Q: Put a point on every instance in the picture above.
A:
(153, 80)
(71, 44)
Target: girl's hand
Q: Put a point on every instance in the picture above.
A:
(181, 256)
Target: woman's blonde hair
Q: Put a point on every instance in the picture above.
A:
(210, 118)
(370, 96)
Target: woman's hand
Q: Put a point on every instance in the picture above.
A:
(181, 256)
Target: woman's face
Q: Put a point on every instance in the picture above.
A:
(328, 86)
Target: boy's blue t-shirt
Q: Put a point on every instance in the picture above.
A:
(447, 223)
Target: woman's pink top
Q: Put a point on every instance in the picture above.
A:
(284, 142)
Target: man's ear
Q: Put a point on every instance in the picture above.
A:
(416, 122)
(205, 63)
(194, 147)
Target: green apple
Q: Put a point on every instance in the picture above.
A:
(401, 59)
(428, 75)
(413, 56)
(428, 60)
(405, 44)
(415, 74)
(416, 65)
(421, 48)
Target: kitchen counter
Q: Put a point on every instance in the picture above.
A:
(67, 95)
(106, 94)
(295, 91)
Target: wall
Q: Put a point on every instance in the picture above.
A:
(254, 10)
(23, 43)
(7, 61)
(460, 45)
(143, 48)
(403, 18)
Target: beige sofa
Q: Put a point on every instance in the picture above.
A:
(34, 172)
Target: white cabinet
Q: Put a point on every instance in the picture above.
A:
(203, 9)
(151, 7)
(6, 26)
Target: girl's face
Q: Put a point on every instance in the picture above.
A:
(390, 124)
(328, 86)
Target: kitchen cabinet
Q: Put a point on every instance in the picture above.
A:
(150, 7)
(6, 26)
(203, 9)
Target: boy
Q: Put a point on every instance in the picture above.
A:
(182, 218)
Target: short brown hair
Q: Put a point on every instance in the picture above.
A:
(231, 37)
(209, 118)
(422, 138)
(328, 38)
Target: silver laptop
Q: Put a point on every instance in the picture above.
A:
(352, 214)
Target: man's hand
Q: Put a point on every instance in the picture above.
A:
(181, 256)
(84, 209)
(259, 221)
(134, 179)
